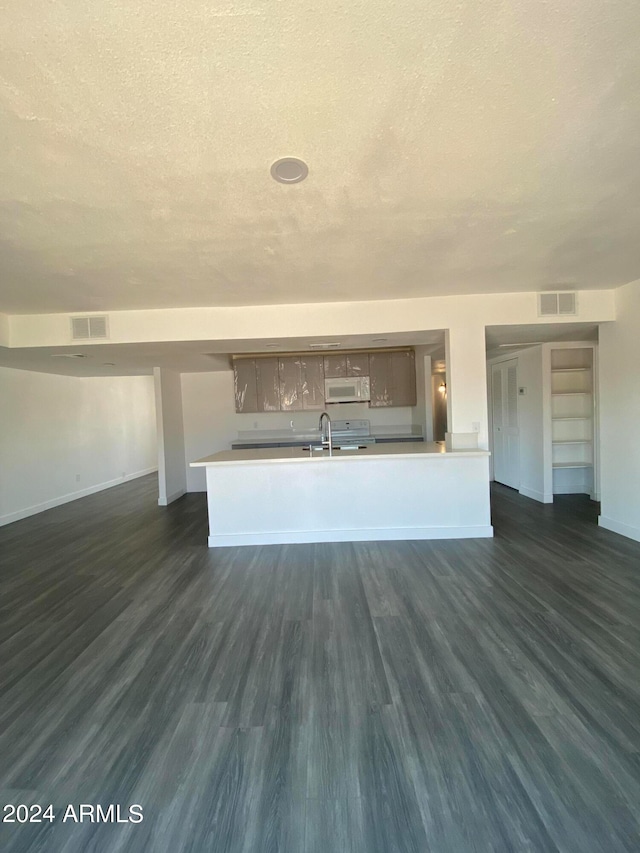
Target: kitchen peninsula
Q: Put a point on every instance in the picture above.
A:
(384, 491)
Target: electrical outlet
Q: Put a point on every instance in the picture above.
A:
(476, 426)
(255, 424)
(77, 478)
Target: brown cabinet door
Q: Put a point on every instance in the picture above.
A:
(358, 364)
(268, 385)
(312, 373)
(380, 374)
(335, 366)
(403, 372)
(353, 364)
(290, 379)
(244, 379)
(393, 379)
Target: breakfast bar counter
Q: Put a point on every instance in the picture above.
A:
(384, 491)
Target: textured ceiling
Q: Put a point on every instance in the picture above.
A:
(453, 147)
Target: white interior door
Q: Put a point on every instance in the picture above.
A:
(506, 436)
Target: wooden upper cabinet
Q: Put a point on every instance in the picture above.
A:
(257, 385)
(267, 384)
(301, 383)
(403, 369)
(393, 379)
(358, 364)
(335, 366)
(245, 386)
(290, 380)
(380, 377)
(312, 375)
(350, 364)
(295, 383)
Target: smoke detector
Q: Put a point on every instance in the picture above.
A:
(289, 170)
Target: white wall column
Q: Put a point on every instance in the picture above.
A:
(172, 481)
(619, 387)
(466, 366)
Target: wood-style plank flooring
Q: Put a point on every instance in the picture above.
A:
(375, 697)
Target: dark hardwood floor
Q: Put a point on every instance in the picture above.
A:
(471, 695)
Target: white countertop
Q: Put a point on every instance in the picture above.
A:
(297, 454)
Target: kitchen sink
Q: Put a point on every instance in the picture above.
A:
(317, 447)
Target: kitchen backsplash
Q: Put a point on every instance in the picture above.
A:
(383, 421)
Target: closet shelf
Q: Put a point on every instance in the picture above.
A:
(572, 465)
(570, 369)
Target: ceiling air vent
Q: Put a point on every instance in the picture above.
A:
(555, 304)
(88, 328)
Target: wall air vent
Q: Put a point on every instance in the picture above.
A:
(557, 304)
(89, 328)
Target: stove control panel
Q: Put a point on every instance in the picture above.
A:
(354, 427)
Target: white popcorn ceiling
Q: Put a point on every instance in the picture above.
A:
(453, 148)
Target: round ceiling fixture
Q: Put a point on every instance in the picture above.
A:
(289, 170)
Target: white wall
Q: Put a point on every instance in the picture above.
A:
(620, 416)
(381, 419)
(210, 420)
(172, 480)
(465, 356)
(310, 320)
(64, 437)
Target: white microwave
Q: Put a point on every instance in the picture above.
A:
(347, 389)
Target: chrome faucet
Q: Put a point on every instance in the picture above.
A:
(328, 441)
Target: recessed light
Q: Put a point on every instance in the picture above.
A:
(108, 364)
(68, 355)
(272, 346)
(379, 340)
(289, 170)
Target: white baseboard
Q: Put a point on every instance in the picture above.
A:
(172, 497)
(285, 537)
(619, 527)
(541, 497)
(71, 496)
